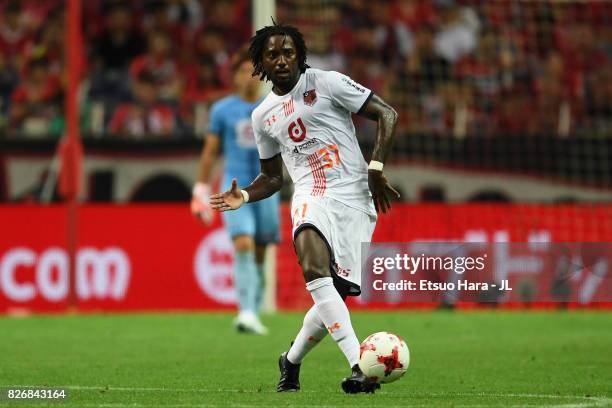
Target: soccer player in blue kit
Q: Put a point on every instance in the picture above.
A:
(252, 227)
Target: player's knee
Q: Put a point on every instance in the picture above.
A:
(244, 243)
(314, 270)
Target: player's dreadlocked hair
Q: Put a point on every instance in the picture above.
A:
(259, 41)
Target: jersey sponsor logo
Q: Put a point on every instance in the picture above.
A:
(310, 97)
(288, 107)
(353, 84)
(297, 130)
(269, 121)
(306, 145)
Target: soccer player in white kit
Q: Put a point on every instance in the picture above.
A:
(305, 122)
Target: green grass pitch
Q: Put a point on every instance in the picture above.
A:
(460, 359)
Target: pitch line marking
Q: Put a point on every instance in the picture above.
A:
(594, 401)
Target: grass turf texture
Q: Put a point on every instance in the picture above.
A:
(461, 359)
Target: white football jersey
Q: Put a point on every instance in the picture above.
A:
(311, 127)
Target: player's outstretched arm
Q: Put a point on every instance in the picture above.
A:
(386, 117)
(201, 190)
(269, 181)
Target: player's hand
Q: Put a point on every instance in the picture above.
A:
(381, 190)
(199, 204)
(232, 199)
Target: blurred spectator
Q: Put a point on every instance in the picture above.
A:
(233, 19)
(550, 94)
(146, 117)
(113, 50)
(460, 66)
(119, 43)
(413, 13)
(158, 20)
(36, 101)
(392, 40)
(481, 72)
(211, 43)
(424, 70)
(320, 52)
(14, 35)
(203, 87)
(36, 12)
(48, 43)
(204, 84)
(419, 80)
(187, 13)
(511, 116)
(599, 96)
(9, 77)
(458, 29)
(160, 64)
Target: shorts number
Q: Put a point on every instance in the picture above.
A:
(299, 215)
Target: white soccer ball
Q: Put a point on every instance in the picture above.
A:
(384, 357)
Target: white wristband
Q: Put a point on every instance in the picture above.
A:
(245, 196)
(375, 165)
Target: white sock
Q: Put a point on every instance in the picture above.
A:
(335, 315)
(311, 333)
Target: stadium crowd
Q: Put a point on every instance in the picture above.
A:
(463, 67)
